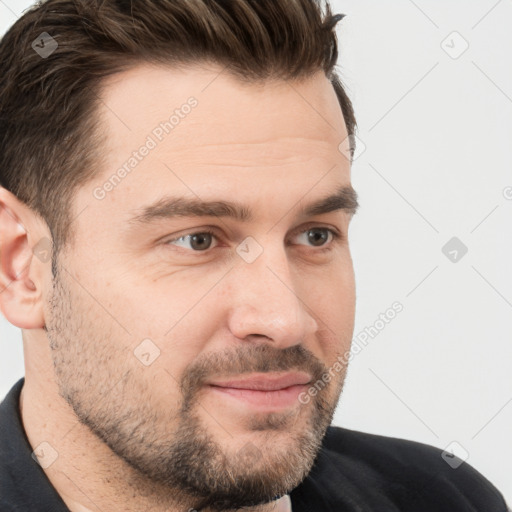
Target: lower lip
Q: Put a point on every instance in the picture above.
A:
(268, 400)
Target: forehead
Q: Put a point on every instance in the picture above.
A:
(198, 131)
(228, 110)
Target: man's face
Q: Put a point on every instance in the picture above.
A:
(145, 316)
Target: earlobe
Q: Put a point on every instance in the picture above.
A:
(21, 273)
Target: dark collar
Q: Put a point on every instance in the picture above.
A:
(23, 482)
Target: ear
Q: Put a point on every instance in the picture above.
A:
(25, 261)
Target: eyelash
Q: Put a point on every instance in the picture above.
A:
(336, 237)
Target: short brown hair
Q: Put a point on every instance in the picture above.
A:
(49, 142)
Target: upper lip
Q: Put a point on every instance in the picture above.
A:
(266, 381)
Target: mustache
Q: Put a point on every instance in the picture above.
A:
(244, 359)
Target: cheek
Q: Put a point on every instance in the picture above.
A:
(330, 299)
(331, 293)
(157, 307)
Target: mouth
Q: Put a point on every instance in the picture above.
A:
(264, 392)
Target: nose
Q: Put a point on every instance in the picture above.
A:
(265, 303)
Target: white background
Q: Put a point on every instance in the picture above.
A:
(437, 132)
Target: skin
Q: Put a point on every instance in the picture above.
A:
(119, 427)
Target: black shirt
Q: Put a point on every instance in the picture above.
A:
(353, 471)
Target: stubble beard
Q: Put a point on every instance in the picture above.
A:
(184, 464)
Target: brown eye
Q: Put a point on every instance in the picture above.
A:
(317, 237)
(200, 241)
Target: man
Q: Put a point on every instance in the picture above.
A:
(174, 219)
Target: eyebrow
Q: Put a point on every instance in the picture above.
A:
(345, 198)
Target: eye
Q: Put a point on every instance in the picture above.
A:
(317, 236)
(200, 241)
